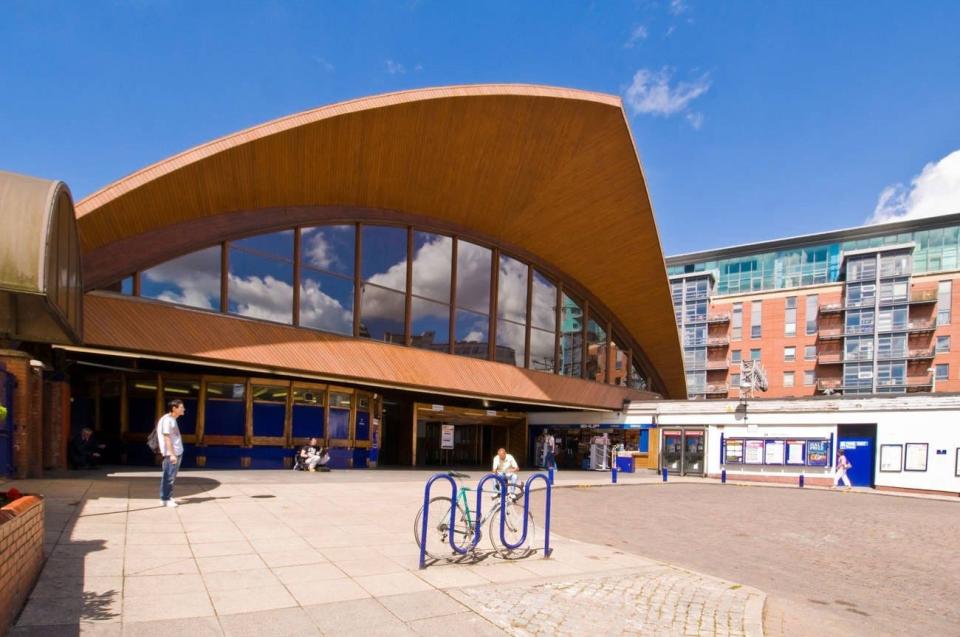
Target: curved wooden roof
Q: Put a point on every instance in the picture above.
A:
(552, 171)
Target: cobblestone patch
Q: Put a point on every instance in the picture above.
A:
(665, 601)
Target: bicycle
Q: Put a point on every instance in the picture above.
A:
(466, 524)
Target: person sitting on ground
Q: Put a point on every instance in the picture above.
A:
(506, 465)
(311, 455)
(84, 450)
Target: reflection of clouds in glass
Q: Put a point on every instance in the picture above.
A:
(473, 277)
(195, 279)
(322, 311)
(318, 251)
(328, 248)
(381, 303)
(431, 268)
(543, 313)
(513, 336)
(263, 298)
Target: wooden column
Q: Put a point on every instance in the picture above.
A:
(494, 301)
(297, 275)
(413, 442)
(288, 417)
(558, 329)
(248, 414)
(124, 408)
(201, 409)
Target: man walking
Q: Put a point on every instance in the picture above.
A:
(843, 465)
(171, 448)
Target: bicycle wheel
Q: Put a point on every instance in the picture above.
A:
(513, 530)
(439, 530)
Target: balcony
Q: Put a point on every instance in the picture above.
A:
(918, 297)
(913, 327)
(713, 390)
(830, 308)
(830, 359)
(715, 319)
(721, 341)
(831, 385)
(723, 364)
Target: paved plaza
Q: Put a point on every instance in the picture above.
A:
(831, 563)
(287, 553)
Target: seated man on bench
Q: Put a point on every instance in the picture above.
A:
(310, 456)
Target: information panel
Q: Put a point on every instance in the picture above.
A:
(774, 452)
(446, 436)
(734, 453)
(915, 457)
(754, 452)
(818, 452)
(795, 452)
(891, 458)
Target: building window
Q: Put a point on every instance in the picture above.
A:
(790, 316)
(571, 337)
(326, 278)
(789, 354)
(260, 283)
(543, 323)
(383, 292)
(788, 379)
(735, 356)
(944, 294)
(811, 315)
(809, 377)
(736, 322)
(809, 352)
(734, 380)
(756, 316)
(511, 311)
(755, 354)
(943, 371)
(193, 279)
(943, 344)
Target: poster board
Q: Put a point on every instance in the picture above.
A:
(891, 458)
(446, 436)
(956, 464)
(818, 453)
(753, 453)
(734, 452)
(915, 457)
(796, 452)
(774, 451)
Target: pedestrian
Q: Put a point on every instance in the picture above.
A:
(550, 452)
(171, 448)
(843, 465)
(85, 450)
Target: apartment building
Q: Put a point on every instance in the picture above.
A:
(867, 310)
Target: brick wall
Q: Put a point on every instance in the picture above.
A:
(21, 555)
(27, 416)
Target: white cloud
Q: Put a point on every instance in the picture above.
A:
(324, 64)
(651, 93)
(195, 279)
(935, 191)
(395, 68)
(695, 119)
(638, 34)
(678, 7)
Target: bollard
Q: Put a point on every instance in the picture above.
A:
(551, 473)
(801, 480)
(613, 474)
(664, 474)
(723, 476)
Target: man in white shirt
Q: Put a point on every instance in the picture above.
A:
(505, 465)
(550, 451)
(171, 448)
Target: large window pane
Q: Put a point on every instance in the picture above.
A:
(571, 337)
(543, 314)
(431, 325)
(269, 410)
(473, 277)
(189, 392)
(542, 353)
(384, 251)
(328, 248)
(277, 244)
(381, 314)
(260, 287)
(472, 331)
(511, 342)
(326, 302)
(512, 290)
(597, 351)
(193, 279)
(432, 263)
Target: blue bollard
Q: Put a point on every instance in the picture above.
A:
(801, 480)
(613, 474)
(551, 473)
(664, 474)
(723, 476)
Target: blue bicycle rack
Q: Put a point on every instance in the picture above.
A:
(502, 482)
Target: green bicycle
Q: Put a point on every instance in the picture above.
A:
(466, 524)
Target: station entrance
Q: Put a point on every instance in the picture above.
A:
(446, 436)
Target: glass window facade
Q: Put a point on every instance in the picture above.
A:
(812, 312)
(790, 316)
(379, 281)
(756, 318)
(944, 297)
(935, 250)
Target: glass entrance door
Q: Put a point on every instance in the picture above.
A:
(693, 452)
(672, 457)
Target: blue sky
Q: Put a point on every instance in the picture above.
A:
(754, 120)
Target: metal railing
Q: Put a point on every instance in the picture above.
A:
(718, 342)
(502, 482)
(923, 296)
(718, 318)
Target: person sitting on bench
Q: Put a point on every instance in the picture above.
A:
(84, 450)
(311, 455)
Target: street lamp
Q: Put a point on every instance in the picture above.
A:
(933, 379)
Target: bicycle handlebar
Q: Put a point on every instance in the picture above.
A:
(455, 474)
